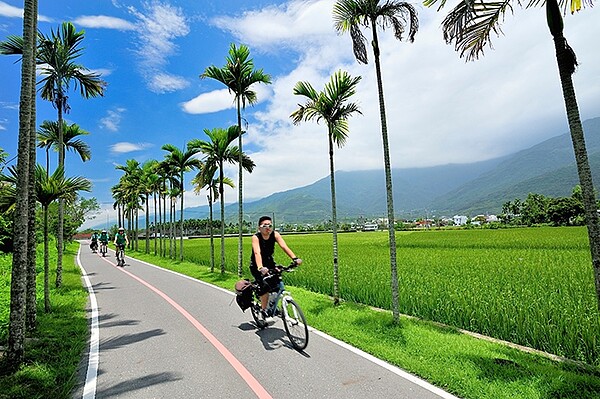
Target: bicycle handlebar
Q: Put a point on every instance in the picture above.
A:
(289, 268)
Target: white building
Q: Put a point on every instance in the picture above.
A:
(459, 220)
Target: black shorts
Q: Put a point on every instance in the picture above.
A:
(268, 283)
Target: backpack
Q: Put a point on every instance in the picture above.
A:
(243, 294)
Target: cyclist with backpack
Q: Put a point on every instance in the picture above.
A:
(94, 243)
(261, 260)
(103, 241)
(121, 240)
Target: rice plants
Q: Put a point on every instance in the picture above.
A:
(531, 286)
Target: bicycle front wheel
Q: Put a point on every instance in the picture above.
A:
(294, 323)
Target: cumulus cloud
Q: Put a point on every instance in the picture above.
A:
(294, 23)
(103, 21)
(219, 100)
(125, 147)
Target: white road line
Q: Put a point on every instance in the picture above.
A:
(89, 390)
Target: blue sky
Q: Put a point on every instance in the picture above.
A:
(440, 108)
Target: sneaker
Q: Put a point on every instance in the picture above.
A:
(268, 319)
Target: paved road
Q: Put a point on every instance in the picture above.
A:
(158, 334)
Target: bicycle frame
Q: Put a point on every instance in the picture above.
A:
(289, 311)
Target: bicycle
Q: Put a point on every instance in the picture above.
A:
(120, 255)
(283, 305)
(103, 249)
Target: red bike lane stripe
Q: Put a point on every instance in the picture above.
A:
(235, 363)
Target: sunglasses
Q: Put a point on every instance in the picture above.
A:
(266, 226)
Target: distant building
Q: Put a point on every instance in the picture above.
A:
(370, 227)
(459, 220)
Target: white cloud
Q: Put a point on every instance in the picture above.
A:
(162, 82)
(103, 21)
(6, 10)
(158, 26)
(112, 119)
(124, 147)
(295, 23)
(219, 100)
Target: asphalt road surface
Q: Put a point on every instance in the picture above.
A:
(159, 334)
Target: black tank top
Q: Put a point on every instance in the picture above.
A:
(267, 247)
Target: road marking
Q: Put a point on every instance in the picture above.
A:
(248, 378)
(396, 370)
(89, 389)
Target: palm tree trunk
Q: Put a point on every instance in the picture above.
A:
(16, 328)
(137, 228)
(181, 222)
(31, 309)
(210, 231)
(388, 178)
(566, 64)
(147, 224)
(222, 218)
(61, 204)
(155, 225)
(336, 281)
(46, 264)
(240, 191)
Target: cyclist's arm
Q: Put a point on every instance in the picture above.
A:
(257, 254)
(286, 249)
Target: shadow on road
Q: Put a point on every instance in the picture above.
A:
(138, 383)
(120, 341)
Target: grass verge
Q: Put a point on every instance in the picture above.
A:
(466, 366)
(54, 350)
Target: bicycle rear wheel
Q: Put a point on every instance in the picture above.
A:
(294, 323)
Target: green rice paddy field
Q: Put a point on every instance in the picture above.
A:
(530, 286)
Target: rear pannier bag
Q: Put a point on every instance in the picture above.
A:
(243, 291)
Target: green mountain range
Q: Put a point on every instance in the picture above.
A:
(547, 168)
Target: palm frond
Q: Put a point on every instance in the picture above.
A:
(470, 24)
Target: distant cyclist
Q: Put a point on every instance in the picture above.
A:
(94, 243)
(103, 241)
(103, 237)
(121, 239)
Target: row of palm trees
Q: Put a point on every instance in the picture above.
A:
(164, 182)
(55, 57)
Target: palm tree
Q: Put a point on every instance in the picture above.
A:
(206, 179)
(331, 106)
(131, 194)
(16, 338)
(149, 181)
(48, 190)
(57, 56)
(47, 138)
(217, 151)
(182, 161)
(470, 24)
(351, 15)
(239, 75)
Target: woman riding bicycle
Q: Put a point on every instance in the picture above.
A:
(261, 260)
